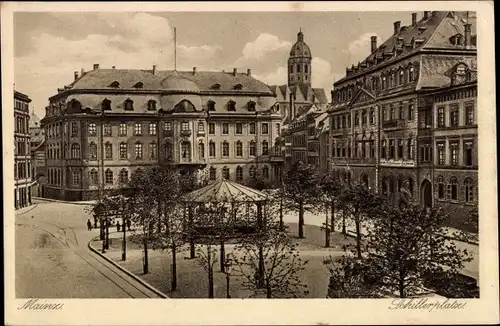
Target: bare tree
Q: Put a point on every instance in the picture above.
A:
(331, 190)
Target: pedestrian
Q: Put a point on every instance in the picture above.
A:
(129, 224)
(118, 226)
(95, 222)
(89, 224)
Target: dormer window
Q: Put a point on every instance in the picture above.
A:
(128, 105)
(115, 84)
(411, 74)
(106, 105)
(461, 68)
(151, 105)
(215, 86)
(251, 106)
(211, 106)
(139, 85)
(238, 87)
(231, 106)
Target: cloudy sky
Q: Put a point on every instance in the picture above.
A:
(49, 47)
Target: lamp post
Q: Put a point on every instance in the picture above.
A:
(228, 276)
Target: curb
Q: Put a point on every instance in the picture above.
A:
(147, 285)
(29, 209)
(62, 201)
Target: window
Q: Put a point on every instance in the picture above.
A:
(201, 150)
(211, 106)
(252, 171)
(306, 68)
(383, 149)
(364, 118)
(231, 106)
(469, 114)
(278, 129)
(123, 151)
(411, 74)
(453, 153)
(410, 111)
(265, 171)
(151, 105)
(123, 129)
(401, 77)
(75, 151)
(106, 105)
(384, 82)
(251, 106)
(401, 111)
(391, 149)
(291, 69)
(239, 148)
(211, 149)
(265, 128)
(400, 149)
(185, 126)
(152, 129)
(239, 173)
(92, 129)
(168, 125)
(108, 151)
(252, 148)
(201, 126)
(137, 129)
(440, 154)
(186, 150)
(169, 151)
(75, 177)
(107, 130)
(225, 172)
(468, 153)
(372, 116)
(93, 177)
(123, 176)
(265, 148)
(393, 79)
(252, 128)
(239, 128)
(469, 190)
(454, 116)
(211, 128)
(138, 150)
(440, 183)
(392, 113)
(225, 149)
(453, 189)
(128, 105)
(298, 68)
(108, 176)
(440, 117)
(213, 173)
(153, 150)
(225, 128)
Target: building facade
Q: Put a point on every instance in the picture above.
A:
(22, 156)
(382, 114)
(110, 122)
(37, 155)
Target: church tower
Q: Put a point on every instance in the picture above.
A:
(299, 63)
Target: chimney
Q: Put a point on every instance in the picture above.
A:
(113, 67)
(60, 90)
(397, 27)
(194, 71)
(249, 72)
(82, 71)
(235, 71)
(96, 66)
(467, 31)
(76, 75)
(414, 19)
(426, 14)
(154, 69)
(374, 43)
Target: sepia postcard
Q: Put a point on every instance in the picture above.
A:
(249, 163)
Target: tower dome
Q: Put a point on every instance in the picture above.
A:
(177, 83)
(299, 62)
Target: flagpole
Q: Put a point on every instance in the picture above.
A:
(175, 48)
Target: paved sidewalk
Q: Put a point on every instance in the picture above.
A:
(88, 202)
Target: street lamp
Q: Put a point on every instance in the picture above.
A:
(227, 271)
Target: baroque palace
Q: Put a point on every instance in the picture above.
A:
(406, 116)
(110, 122)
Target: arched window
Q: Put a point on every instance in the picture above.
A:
(108, 151)
(401, 79)
(239, 148)
(108, 176)
(453, 189)
(469, 190)
(74, 105)
(151, 105)
(115, 84)
(93, 177)
(225, 172)
(225, 149)
(211, 106)
(231, 106)
(139, 85)
(265, 148)
(411, 74)
(265, 173)
(106, 105)
(75, 151)
(440, 186)
(153, 150)
(383, 150)
(252, 172)
(252, 148)
(251, 106)
(239, 173)
(123, 151)
(213, 173)
(123, 176)
(128, 105)
(215, 86)
(168, 151)
(186, 150)
(201, 150)
(138, 150)
(238, 87)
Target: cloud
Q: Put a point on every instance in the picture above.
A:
(263, 45)
(360, 48)
(143, 41)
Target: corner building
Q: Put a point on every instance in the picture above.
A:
(383, 111)
(111, 122)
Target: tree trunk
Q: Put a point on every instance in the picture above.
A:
(344, 231)
(145, 266)
(261, 268)
(210, 273)
(174, 267)
(222, 256)
(159, 217)
(358, 232)
(327, 229)
(269, 292)
(332, 213)
(301, 220)
(401, 287)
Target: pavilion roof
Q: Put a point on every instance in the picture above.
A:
(225, 191)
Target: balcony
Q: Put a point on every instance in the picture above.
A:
(168, 133)
(200, 133)
(394, 124)
(185, 133)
